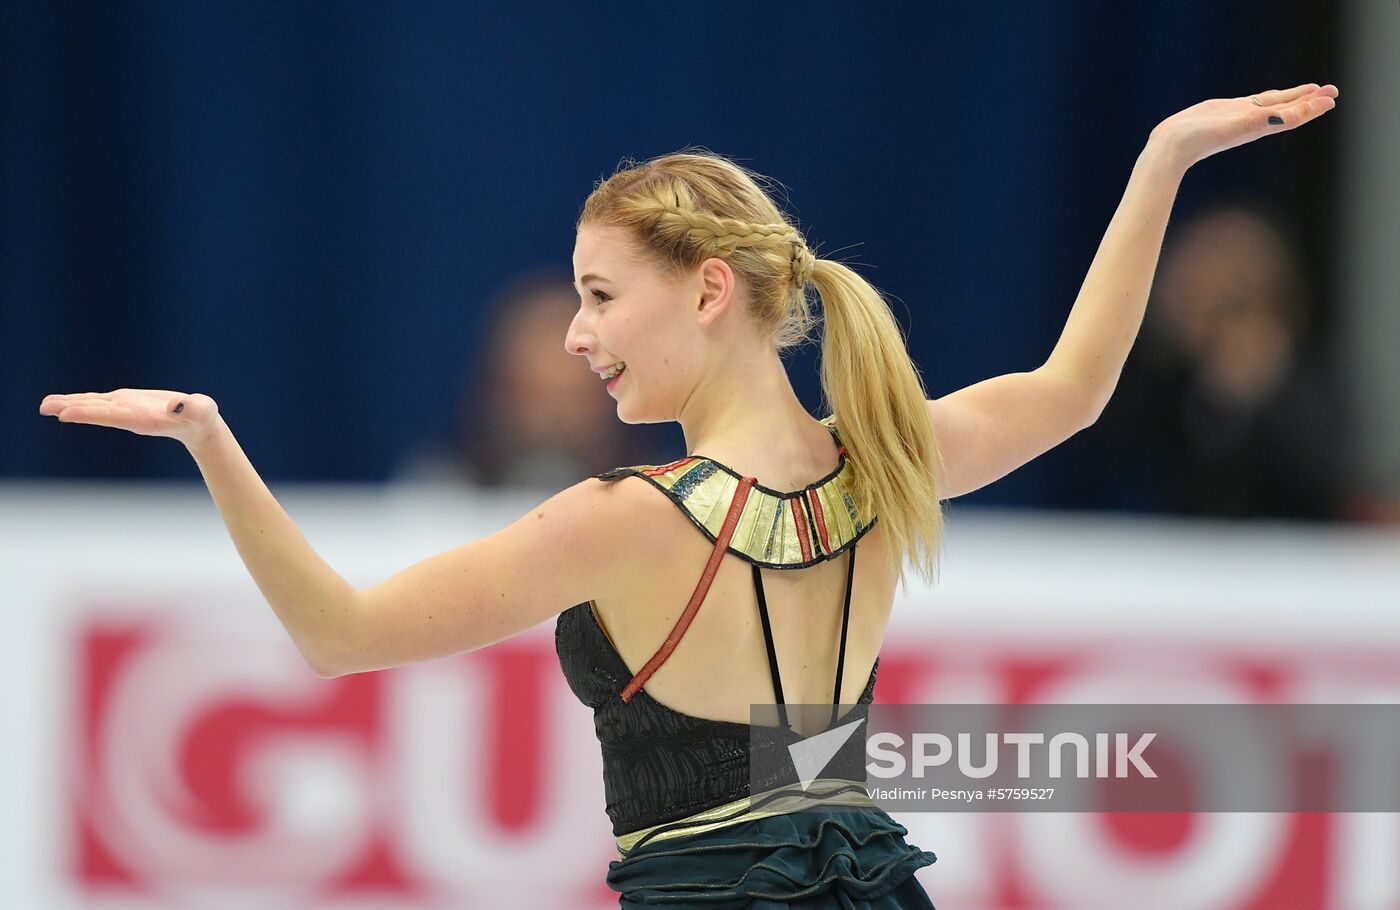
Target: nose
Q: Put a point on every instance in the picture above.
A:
(578, 339)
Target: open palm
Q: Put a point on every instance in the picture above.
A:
(1222, 123)
(148, 412)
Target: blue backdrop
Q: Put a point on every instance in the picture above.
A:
(300, 209)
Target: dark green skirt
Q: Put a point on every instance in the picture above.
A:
(831, 857)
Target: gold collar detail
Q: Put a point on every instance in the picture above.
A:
(776, 529)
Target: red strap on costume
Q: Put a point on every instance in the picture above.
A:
(736, 507)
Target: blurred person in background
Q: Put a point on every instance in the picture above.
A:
(1228, 407)
(528, 417)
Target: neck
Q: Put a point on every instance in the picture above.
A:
(746, 414)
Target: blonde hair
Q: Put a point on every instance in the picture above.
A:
(686, 207)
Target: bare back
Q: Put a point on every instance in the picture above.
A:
(721, 665)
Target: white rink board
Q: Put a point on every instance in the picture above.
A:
(80, 557)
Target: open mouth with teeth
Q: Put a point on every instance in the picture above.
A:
(613, 371)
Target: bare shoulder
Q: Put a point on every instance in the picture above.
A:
(572, 548)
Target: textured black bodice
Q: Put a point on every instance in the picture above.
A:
(659, 764)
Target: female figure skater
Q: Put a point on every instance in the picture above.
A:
(692, 282)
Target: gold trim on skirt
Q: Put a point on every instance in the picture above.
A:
(822, 791)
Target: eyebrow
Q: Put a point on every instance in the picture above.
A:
(578, 284)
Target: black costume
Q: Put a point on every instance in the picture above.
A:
(690, 829)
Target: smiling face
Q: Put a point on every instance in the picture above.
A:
(632, 312)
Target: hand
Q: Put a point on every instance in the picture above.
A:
(148, 412)
(1222, 123)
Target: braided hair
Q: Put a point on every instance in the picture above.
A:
(684, 208)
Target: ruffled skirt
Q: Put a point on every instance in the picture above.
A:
(832, 857)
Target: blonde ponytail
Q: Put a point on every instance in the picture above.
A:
(878, 403)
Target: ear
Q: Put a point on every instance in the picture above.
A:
(717, 289)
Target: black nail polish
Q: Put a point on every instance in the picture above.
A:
(1275, 119)
(179, 407)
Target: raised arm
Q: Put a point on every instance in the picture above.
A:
(565, 551)
(989, 429)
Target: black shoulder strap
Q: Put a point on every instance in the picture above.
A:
(772, 650)
(845, 624)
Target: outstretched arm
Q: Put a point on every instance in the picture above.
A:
(314, 603)
(989, 429)
(563, 552)
(567, 550)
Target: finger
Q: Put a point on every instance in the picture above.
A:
(1284, 95)
(1297, 114)
(93, 413)
(77, 396)
(55, 403)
